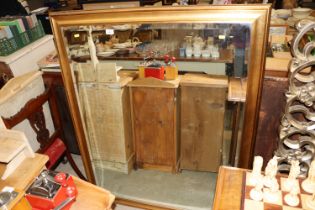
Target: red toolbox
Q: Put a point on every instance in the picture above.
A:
(156, 72)
(52, 190)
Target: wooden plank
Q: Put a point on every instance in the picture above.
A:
(282, 55)
(235, 138)
(9, 148)
(154, 125)
(16, 84)
(166, 168)
(176, 131)
(110, 5)
(279, 67)
(278, 64)
(25, 172)
(140, 205)
(228, 189)
(91, 197)
(237, 90)
(129, 148)
(153, 82)
(203, 80)
(202, 126)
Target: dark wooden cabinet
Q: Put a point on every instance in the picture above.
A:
(271, 110)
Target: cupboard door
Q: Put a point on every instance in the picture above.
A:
(154, 115)
(202, 127)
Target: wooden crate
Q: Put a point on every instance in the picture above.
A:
(202, 121)
(154, 120)
(106, 111)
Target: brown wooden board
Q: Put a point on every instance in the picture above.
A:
(237, 89)
(154, 126)
(228, 191)
(271, 110)
(154, 82)
(202, 125)
(9, 148)
(24, 175)
(203, 80)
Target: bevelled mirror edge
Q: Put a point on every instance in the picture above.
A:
(256, 15)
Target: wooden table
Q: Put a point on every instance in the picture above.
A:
(23, 176)
(89, 196)
(229, 189)
(237, 95)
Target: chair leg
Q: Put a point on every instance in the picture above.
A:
(74, 165)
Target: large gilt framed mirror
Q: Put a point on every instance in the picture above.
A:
(220, 55)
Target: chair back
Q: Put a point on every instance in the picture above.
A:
(33, 112)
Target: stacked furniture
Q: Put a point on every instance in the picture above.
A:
(105, 106)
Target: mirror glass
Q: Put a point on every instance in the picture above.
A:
(212, 60)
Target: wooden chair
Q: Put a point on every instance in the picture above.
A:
(51, 145)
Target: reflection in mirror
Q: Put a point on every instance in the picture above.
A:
(131, 125)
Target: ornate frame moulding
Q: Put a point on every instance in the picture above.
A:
(297, 129)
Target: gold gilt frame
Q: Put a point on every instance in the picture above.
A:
(256, 15)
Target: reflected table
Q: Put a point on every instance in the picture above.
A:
(236, 95)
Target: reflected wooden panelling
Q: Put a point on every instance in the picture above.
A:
(202, 121)
(154, 111)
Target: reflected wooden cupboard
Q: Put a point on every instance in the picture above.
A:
(203, 99)
(154, 120)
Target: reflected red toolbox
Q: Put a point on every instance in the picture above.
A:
(154, 71)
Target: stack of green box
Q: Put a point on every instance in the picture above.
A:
(17, 33)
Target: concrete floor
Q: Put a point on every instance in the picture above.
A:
(67, 168)
(187, 190)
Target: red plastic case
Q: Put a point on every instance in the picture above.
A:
(65, 189)
(156, 72)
